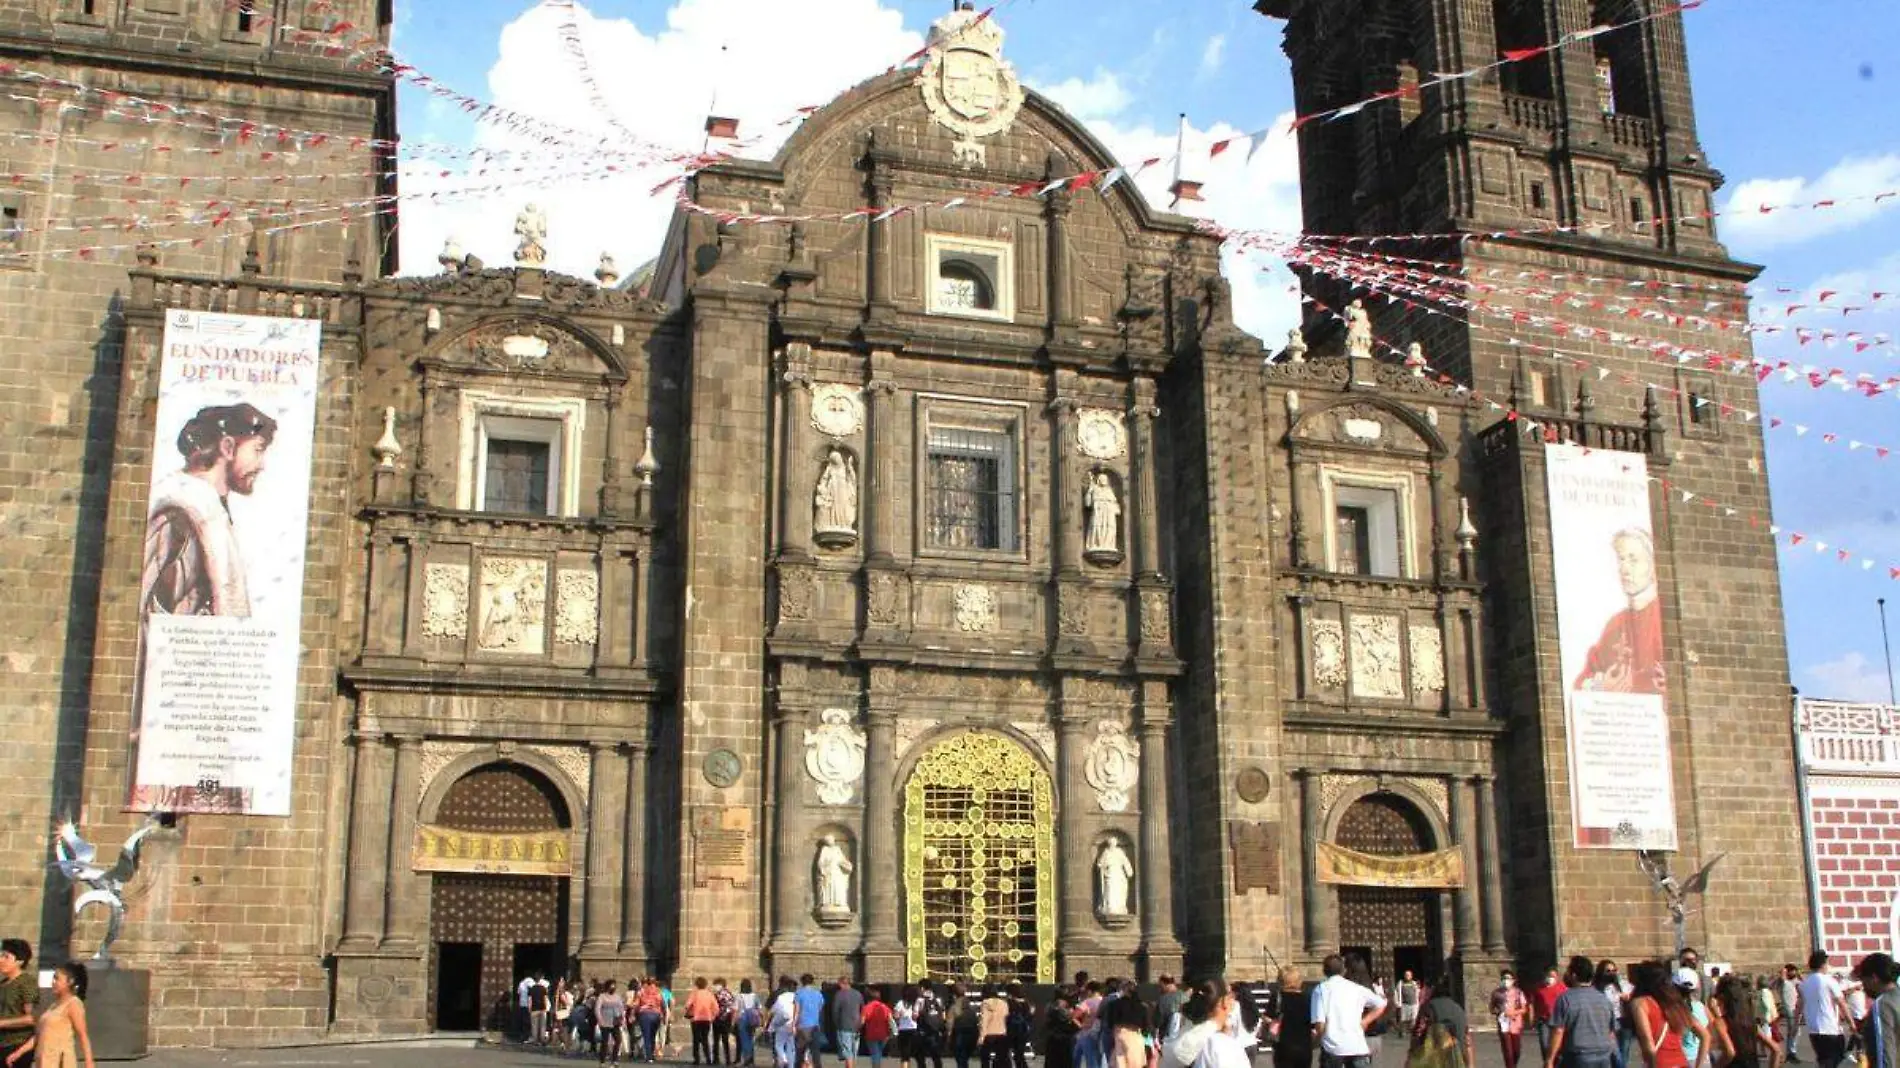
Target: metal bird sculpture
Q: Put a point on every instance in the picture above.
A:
(77, 862)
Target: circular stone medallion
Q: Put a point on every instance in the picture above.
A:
(721, 768)
(1252, 785)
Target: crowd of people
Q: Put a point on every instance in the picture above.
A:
(1661, 1014)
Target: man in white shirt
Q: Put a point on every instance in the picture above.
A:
(1824, 1010)
(1342, 1010)
(783, 1023)
(523, 990)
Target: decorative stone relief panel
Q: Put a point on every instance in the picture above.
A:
(976, 609)
(972, 686)
(885, 598)
(576, 607)
(1329, 653)
(574, 761)
(445, 601)
(1156, 627)
(514, 605)
(909, 729)
(439, 755)
(1100, 434)
(1334, 787)
(1072, 609)
(1042, 734)
(1427, 649)
(1113, 765)
(794, 593)
(1436, 790)
(836, 410)
(1376, 667)
(834, 755)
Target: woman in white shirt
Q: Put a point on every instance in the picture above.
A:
(904, 1028)
(1204, 1041)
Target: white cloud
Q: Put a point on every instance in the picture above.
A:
(1211, 54)
(1848, 677)
(1851, 183)
(756, 55)
(1099, 97)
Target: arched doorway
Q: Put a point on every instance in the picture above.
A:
(979, 863)
(1391, 930)
(498, 850)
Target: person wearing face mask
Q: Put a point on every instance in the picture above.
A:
(1544, 1006)
(1510, 1006)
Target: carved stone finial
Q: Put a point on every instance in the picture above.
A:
(147, 255)
(432, 321)
(253, 256)
(1296, 345)
(387, 448)
(531, 226)
(648, 465)
(1586, 399)
(1467, 533)
(452, 258)
(608, 273)
(1415, 359)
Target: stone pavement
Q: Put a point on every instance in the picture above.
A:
(463, 1052)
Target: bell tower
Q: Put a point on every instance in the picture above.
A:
(1563, 200)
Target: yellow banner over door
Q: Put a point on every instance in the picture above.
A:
(532, 853)
(1444, 869)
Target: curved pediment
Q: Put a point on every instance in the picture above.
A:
(1368, 422)
(528, 344)
(501, 285)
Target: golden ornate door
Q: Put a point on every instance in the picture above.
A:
(979, 863)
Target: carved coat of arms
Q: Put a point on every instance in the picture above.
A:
(834, 756)
(966, 84)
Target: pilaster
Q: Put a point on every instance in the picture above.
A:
(1490, 866)
(600, 920)
(1320, 906)
(369, 846)
(1464, 899)
(401, 917)
(1074, 866)
(633, 857)
(1160, 949)
(883, 949)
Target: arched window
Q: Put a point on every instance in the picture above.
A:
(962, 286)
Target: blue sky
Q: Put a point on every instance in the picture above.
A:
(1791, 107)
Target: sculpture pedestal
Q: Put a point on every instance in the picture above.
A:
(118, 1011)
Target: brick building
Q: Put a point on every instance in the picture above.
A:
(898, 592)
(1850, 781)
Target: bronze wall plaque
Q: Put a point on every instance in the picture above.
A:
(1253, 785)
(1256, 856)
(722, 839)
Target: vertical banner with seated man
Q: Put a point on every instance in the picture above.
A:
(221, 591)
(1610, 633)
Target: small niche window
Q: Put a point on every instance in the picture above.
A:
(518, 465)
(1639, 213)
(970, 277)
(1366, 533)
(1537, 196)
(971, 494)
(246, 15)
(12, 227)
(1701, 410)
(520, 455)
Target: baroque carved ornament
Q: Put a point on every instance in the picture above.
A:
(1329, 653)
(445, 601)
(836, 410)
(1100, 434)
(1427, 649)
(576, 607)
(1113, 766)
(976, 609)
(967, 86)
(834, 755)
(513, 605)
(1376, 668)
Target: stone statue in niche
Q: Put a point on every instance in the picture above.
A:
(1358, 332)
(834, 879)
(1113, 872)
(835, 504)
(1101, 540)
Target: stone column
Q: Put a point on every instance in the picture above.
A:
(877, 265)
(612, 486)
(881, 544)
(405, 890)
(1074, 868)
(1158, 943)
(369, 845)
(1063, 485)
(794, 528)
(1490, 867)
(879, 871)
(422, 476)
(1056, 207)
(633, 858)
(600, 927)
(790, 865)
(1464, 904)
(1321, 913)
(1147, 529)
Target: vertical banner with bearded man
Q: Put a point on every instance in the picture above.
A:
(1610, 637)
(221, 590)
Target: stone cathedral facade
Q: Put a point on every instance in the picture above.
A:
(901, 591)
